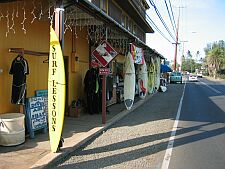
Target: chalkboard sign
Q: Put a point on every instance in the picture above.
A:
(36, 114)
(39, 93)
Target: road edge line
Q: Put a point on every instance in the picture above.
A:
(168, 154)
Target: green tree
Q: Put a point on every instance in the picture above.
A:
(215, 57)
(189, 64)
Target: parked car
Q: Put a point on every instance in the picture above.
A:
(175, 77)
(193, 78)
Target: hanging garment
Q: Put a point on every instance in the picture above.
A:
(19, 69)
(91, 82)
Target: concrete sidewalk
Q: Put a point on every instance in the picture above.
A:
(35, 153)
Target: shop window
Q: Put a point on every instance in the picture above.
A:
(134, 29)
(96, 2)
(114, 12)
(103, 5)
(123, 20)
(126, 18)
(130, 25)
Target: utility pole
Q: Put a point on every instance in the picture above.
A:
(175, 55)
(177, 43)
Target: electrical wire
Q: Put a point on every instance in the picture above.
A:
(161, 19)
(156, 27)
(172, 23)
(172, 14)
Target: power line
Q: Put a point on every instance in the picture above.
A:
(172, 23)
(161, 19)
(172, 14)
(156, 27)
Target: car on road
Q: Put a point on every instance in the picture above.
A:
(193, 78)
(199, 74)
(175, 77)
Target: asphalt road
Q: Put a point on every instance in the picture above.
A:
(140, 140)
(200, 136)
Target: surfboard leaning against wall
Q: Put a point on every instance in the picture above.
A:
(56, 91)
(129, 81)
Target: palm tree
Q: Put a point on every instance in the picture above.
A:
(215, 54)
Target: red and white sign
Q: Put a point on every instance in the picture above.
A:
(104, 71)
(104, 53)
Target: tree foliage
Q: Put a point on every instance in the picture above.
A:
(189, 64)
(215, 57)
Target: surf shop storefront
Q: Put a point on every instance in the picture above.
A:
(81, 27)
(120, 39)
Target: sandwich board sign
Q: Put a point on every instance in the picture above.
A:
(36, 114)
(104, 53)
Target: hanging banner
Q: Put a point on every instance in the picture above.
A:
(104, 53)
(138, 54)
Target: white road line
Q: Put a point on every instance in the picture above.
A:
(213, 89)
(168, 154)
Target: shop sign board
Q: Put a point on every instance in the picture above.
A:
(36, 114)
(104, 71)
(138, 54)
(104, 53)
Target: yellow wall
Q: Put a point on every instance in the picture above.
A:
(37, 39)
(81, 51)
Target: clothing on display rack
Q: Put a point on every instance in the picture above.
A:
(92, 90)
(19, 69)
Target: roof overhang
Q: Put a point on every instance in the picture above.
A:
(7, 1)
(91, 9)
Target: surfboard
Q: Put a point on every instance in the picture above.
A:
(129, 81)
(157, 73)
(151, 77)
(56, 91)
(142, 80)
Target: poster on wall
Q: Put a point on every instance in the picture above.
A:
(104, 53)
(138, 54)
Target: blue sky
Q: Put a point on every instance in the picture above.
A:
(201, 22)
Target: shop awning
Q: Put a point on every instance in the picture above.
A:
(165, 68)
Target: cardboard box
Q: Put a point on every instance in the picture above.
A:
(74, 111)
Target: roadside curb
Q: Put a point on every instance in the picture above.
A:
(75, 142)
(214, 79)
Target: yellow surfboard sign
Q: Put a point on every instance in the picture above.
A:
(56, 91)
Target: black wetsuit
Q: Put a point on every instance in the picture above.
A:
(19, 69)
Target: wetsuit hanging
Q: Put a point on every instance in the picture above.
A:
(91, 82)
(19, 69)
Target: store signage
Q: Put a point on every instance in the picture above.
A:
(104, 71)
(138, 54)
(104, 53)
(36, 114)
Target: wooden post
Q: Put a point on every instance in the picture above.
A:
(103, 99)
(104, 90)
